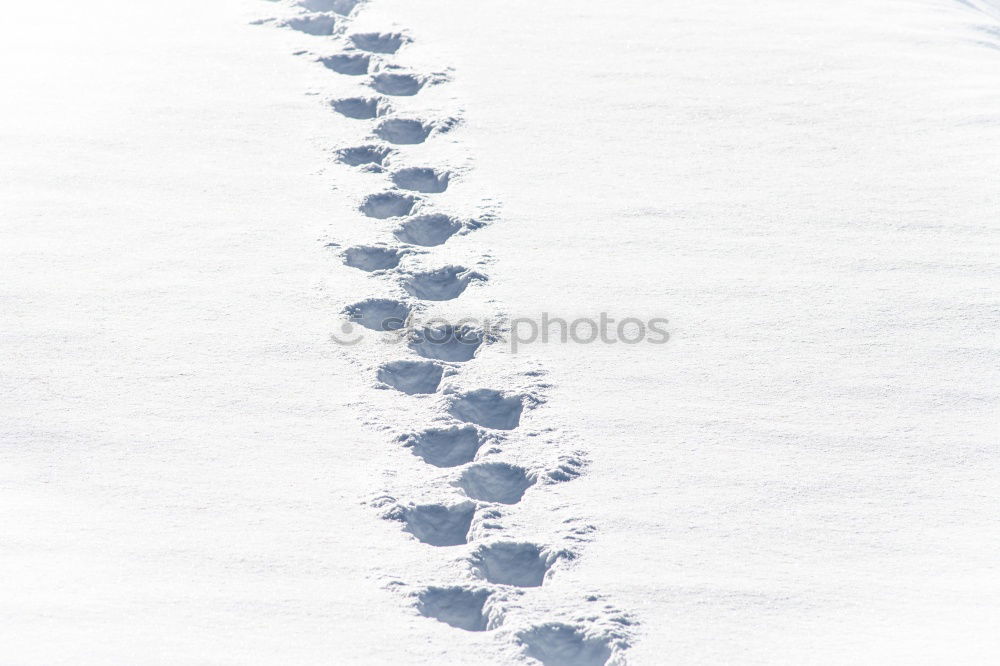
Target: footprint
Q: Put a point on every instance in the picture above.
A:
(319, 24)
(421, 179)
(445, 447)
(343, 7)
(511, 563)
(379, 314)
(436, 524)
(361, 108)
(442, 284)
(400, 85)
(352, 64)
(488, 408)
(403, 130)
(379, 42)
(495, 482)
(411, 376)
(446, 342)
(387, 204)
(427, 230)
(460, 607)
(364, 155)
(557, 644)
(372, 257)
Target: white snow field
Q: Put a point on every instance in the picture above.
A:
(199, 199)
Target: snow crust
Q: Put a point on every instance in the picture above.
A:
(231, 436)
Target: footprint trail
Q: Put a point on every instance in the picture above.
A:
(478, 432)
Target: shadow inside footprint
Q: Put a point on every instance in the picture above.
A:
(488, 408)
(446, 342)
(557, 644)
(378, 42)
(511, 563)
(495, 482)
(460, 607)
(403, 131)
(387, 204)
(343, 7)
(371, 257)
(351, 64)
(360, 108)
(401, 85)
(364, 155)
(421, 179)
(318, 25)
(411, 377)
(445, 447)
(427, 230)
(379, 314)
(442, 284)
(437, 524)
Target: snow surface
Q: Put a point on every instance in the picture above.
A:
(194, 197)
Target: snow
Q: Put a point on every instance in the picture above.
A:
(198, 197)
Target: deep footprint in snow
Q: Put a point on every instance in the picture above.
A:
(379, 42)
(427, 230)
(361, 108)
(442, 284)
(379, 314)
(445, 447)
(372, 257)
(359, 155)
(495, 482)
(460, 607)
(399, 85)
(488, 408)
(446, 343)
(437, 524)
(511, 563)
(351, 64)
(558, 644)
(387, 204)
(421, 179)
(319, 25)
(403, 131)
(411, 377)
(343, 7)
